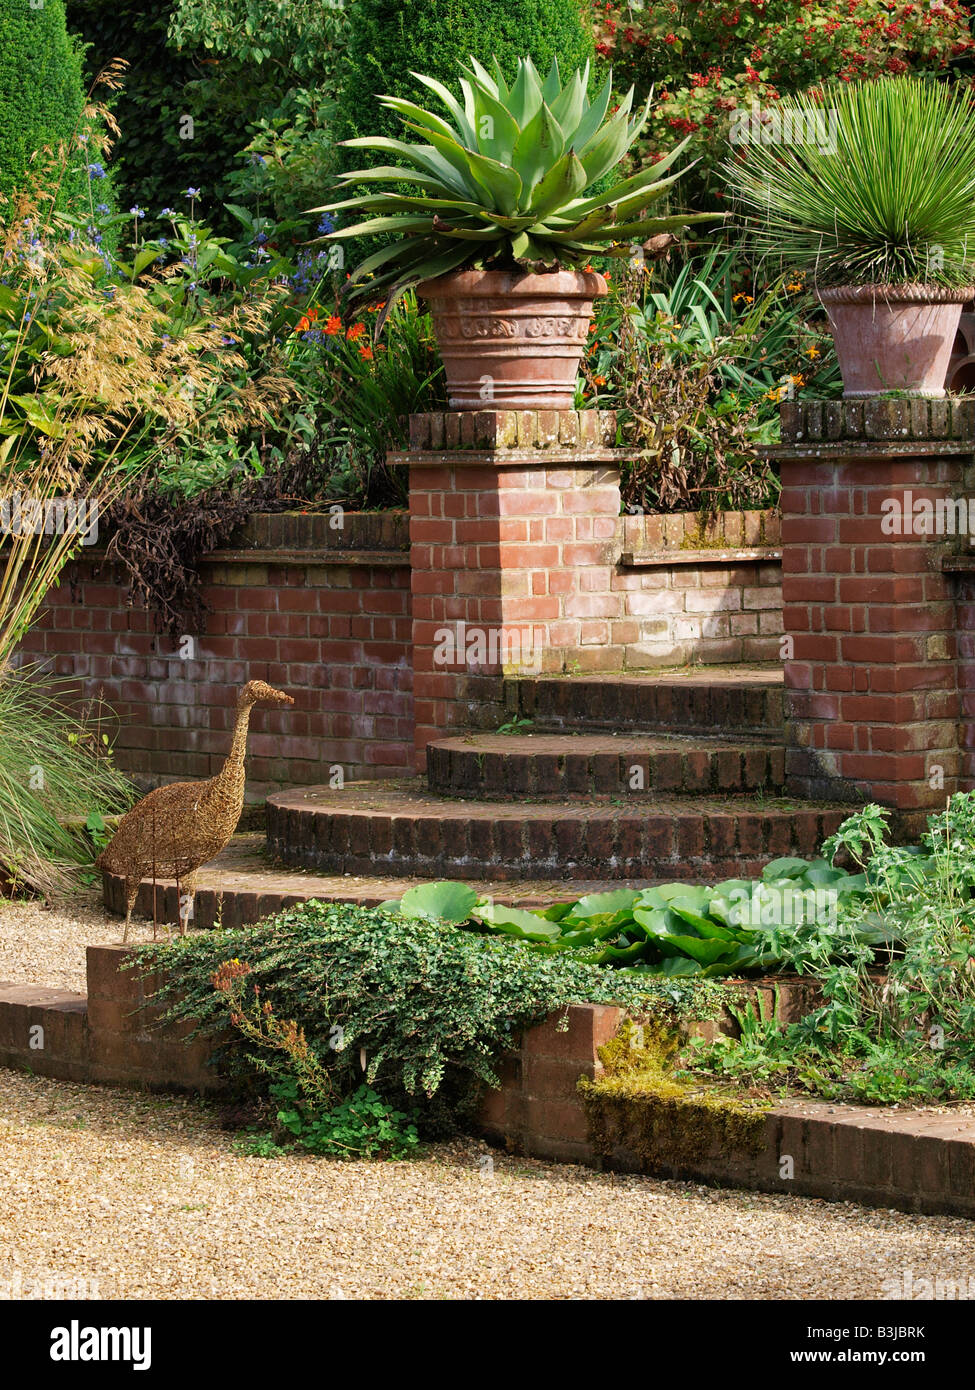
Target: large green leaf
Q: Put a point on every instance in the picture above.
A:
(537, 149)
(514, 921)
(501, 184)
(565, 178)
(594, 904)
(445, 901)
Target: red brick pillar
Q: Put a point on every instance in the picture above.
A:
(515, 535)
(872, 697)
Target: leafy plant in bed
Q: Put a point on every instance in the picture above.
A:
(680, 929)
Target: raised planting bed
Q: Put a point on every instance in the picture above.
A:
(912, 1159)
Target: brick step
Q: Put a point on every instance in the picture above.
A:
(719, 700)
(243, 885)
(398, 827)
(561, 765)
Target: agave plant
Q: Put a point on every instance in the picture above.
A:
(875, 186)
(510, 184)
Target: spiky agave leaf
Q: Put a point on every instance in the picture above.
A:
(501, 182)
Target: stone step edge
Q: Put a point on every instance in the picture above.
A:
(691, 769)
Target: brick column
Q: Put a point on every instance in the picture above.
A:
(515, 535)
(872, 697)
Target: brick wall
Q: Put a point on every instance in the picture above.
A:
(327, 614)
(873, 702)
(321, 612)
(693, 592)
(517, 541)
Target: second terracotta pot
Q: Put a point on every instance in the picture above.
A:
(512, 342)
(893, 337)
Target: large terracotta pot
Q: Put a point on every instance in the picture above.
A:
(893, 337)
(512, 342)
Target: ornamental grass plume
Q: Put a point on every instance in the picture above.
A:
(101, 368)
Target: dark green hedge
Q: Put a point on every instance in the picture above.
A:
(152, 164)
(391, 38)
(41, 91)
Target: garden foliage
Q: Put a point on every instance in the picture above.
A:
(413, 1008)
(41, 93)
(707, 62)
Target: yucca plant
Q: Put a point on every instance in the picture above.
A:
(512, 184)
(875, 187)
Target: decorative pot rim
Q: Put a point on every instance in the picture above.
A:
(873, 295)
(584, 284)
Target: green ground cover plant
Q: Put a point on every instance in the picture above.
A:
(326, 998)
(684, 930)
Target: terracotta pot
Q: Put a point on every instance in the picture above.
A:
(512, 342)
(893, 337)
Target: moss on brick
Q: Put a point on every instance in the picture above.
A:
(638, 1105)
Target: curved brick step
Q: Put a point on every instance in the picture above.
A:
(560, 765)
(718, 700)
(397, 827)
(242, 885)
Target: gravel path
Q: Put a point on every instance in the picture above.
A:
(112, 1194)
(46, 946)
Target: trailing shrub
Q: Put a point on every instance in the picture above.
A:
(419, 1010)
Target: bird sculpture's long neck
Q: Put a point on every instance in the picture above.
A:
(234, 765)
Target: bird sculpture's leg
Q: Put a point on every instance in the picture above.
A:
(187, 902)
(130, 898)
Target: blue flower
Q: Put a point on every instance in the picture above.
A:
(326, 225)
(137, 212)
(103, 208)
(167, 212)
(193, 192)
(261, 238)
(95, 171)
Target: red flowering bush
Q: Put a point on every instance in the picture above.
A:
(705, 58)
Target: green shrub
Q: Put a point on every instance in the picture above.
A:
(41, 91)
(416, 1009)
(390, 41)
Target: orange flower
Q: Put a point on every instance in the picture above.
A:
(599, 380)
(356, 331)
(306, 321)
(333, 325)
(365, 352)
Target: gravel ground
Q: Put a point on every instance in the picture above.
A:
(46, 946)
(112, 1194)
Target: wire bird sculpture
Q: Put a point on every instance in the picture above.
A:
(176, 829)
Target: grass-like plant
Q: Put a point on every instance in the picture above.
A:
(56, 769)
(876, 185)
(514, 183)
